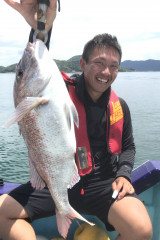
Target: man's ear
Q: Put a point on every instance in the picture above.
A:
(82, 64)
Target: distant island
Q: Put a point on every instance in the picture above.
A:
(72, 65)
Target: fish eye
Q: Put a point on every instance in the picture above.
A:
(19, 74)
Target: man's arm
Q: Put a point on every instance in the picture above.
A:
(126, 158)
(29, 9)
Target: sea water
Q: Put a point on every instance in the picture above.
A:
(141, 91)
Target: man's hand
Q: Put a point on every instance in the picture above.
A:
(123, 187)
(28, 9)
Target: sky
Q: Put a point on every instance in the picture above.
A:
(135, 23)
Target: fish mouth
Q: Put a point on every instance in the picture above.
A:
(102, 80)
(29, 49)
(31, 46)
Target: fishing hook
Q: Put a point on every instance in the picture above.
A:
(42, 18)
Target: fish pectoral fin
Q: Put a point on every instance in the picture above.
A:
(71, 110)
(67, 115)
(36, 180)
(24, 108)
(75, 115)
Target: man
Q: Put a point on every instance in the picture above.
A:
(105, 132)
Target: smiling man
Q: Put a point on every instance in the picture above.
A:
(100, 68)
(109, 144)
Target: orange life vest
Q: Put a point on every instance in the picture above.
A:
(114, 131)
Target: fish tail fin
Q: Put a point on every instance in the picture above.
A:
(74, 214)
(64, 222)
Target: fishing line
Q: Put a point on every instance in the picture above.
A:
(81, 228)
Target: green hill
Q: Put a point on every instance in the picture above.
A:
(75, 58)
(142, 66)
(8, 69)
(72, 65)
(68, 66)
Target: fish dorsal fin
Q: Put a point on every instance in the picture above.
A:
(36, 180)
(24, 108)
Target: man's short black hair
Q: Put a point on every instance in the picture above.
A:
(101, 40)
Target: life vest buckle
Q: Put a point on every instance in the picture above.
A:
(82, 157)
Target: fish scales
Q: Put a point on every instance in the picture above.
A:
(46, 117)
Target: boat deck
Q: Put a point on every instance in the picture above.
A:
(146, 181)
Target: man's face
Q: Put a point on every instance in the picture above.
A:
(100, 71)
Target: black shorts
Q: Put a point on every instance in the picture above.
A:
(94, 201)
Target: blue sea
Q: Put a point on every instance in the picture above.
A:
(141, 90)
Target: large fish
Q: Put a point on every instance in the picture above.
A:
(46, 116)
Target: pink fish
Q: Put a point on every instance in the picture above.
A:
(46, 117)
